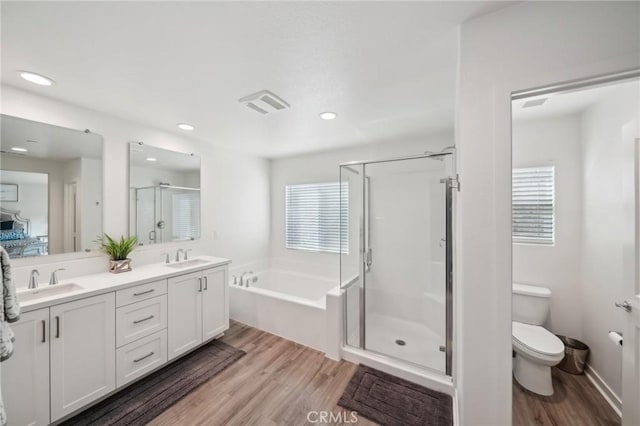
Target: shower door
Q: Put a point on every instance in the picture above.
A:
(400, 304)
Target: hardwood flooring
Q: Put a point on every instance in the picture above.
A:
(278, 382)
(575, 401)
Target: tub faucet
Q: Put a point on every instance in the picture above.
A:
(54, 276)
(242, 280)
(178, 254)
(33, 279)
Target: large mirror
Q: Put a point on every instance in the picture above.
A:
(164, 194)
(50, 188)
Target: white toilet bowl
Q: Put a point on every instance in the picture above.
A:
(537, 350)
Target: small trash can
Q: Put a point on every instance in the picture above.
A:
(575, 355)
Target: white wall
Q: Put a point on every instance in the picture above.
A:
(235, 187)
(608, 191)
(323, 167)
(90, 202)
(554, 142)
(527, 45)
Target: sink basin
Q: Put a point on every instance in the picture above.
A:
(46, 291)
(187, 264)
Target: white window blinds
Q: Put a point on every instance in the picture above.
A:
(186, 215)
(533, 205)
(313, 216)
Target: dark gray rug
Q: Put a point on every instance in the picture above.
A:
(144, 400)
(392, 401)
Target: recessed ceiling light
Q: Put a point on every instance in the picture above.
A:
(36, 78)
(328, 115)
(18, 149)
(151, 159)
(185, 126)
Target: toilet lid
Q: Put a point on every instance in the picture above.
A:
(537, 338)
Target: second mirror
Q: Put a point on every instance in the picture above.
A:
(164, 194)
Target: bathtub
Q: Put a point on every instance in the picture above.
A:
(284, 303)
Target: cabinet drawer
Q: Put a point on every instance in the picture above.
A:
(138, 358)
(140, 319)
(140, 292)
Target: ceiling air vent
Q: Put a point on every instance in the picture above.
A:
(264, 102)
(534, 102)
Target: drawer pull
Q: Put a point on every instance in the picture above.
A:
(144, 292)
(199, 284)
(143, 319)
(57, 327)
(144, 357)
(206, 283)
(44, 331)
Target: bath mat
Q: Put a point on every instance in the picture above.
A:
(144, 400)
(392, 401)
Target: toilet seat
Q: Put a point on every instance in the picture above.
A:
(536, 339)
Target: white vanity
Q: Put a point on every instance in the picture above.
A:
(100, 332)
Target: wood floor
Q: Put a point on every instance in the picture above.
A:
(575, 402)
(278, 382)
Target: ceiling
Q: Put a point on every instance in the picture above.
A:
(164, 158)
(45, 141)
(387, 68)
(569, 102)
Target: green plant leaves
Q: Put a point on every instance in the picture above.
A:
(118, 249)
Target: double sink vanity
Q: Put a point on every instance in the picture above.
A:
(81, 340)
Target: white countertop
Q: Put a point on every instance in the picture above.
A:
(106, 282)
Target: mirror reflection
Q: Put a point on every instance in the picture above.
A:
(164, 194)
(50, 188)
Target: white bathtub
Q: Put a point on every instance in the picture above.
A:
(288, 304)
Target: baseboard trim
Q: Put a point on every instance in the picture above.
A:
(609, 395)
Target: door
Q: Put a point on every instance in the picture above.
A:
(215, 318)
(83, 366)
(404, 259)
(25, 376)
(184, 313)
(631, 346)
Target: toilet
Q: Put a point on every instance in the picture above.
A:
(536, 348)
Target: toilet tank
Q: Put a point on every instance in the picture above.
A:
(530, 304)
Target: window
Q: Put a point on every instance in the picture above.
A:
(532, 202)
(313, 214)
(186, 215)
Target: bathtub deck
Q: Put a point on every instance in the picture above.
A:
(277, 383)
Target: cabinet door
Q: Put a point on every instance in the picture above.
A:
(215, 316)
(25, 376)
(184, 313)
(83, 366)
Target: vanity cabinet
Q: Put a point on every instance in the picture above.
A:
(198, 309)
(71, 354)
(83, 346)
(25, 376)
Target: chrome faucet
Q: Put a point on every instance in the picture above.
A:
(54, 276)
(242, 280)
(178, 254)
(33, 279)
(235, 279)
(186, 257)
(166, 257)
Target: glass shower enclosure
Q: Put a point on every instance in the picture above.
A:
(397, 256)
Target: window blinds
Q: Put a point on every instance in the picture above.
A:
(186, 215)
(533, 205)
(313, 216)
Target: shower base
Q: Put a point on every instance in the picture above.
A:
(422, 345)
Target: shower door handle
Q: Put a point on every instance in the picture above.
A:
(369, 259)
(152, 235)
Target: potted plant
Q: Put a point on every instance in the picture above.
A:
(118, 251)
